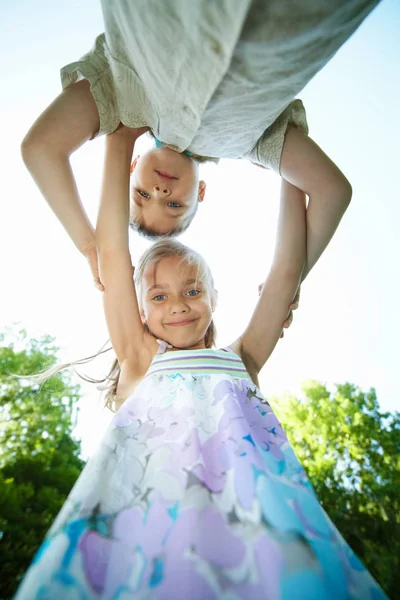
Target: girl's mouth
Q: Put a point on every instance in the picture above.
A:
(181, 323)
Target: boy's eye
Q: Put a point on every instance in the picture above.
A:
(143, 194)
(193, 292)
(174, 204)
(159, 297)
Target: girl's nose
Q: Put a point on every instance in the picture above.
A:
(178, 307)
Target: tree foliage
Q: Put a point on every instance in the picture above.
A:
(351, 451)
(39, 458)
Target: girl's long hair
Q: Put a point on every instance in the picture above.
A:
(154, 254)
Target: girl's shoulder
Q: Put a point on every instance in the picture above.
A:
(135, 369)
(248, 362)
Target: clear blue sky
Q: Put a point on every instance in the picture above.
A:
(347, 327)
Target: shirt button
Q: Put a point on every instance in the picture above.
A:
(217, 48)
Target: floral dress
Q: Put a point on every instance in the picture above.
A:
(195, 494)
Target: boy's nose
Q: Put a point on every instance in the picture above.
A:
(161, 190)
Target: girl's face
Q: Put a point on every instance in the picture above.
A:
(165, 189)
(176, 306)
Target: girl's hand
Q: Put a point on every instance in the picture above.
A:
(293, 306)
(128, 134)
(90, 254)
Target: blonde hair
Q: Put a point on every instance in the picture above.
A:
(169, 247)
(153, 255)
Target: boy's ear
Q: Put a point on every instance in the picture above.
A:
(134, 163)
(202, 190)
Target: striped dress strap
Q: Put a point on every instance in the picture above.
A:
(199, 361)
(228, 349)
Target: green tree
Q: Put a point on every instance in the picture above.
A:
(351, 451)
(39, 458)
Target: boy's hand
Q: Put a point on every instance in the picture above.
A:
(90, 254)
(293, 306)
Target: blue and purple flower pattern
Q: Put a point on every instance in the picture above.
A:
(195, 494)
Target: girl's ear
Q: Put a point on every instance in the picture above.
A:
(134, 163)
(202, 190)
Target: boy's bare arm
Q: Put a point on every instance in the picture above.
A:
(62, 128)
(308, 168)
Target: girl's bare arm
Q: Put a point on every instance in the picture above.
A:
(260, 337)
(127, 333)
(306, 166)
(63, 127)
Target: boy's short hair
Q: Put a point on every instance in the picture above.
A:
(153, 235)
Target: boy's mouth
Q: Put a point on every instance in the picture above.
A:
(164, 175)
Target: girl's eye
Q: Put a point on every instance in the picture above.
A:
(159, 297)
(193, 292)
(174, 204)
(143, 194)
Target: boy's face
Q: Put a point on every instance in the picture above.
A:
(165, 190)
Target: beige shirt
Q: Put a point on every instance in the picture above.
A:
(217, 78)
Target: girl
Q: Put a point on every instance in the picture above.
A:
(208, 79)
(195, 492)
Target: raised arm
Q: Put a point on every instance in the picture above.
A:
(127, 332)
(62, 128)
(259, 339)
(307, 167)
